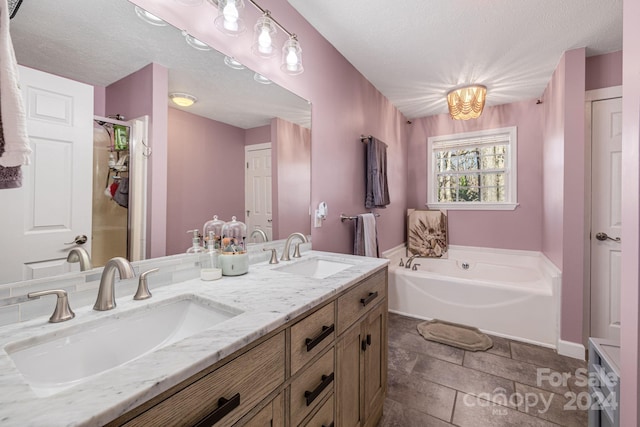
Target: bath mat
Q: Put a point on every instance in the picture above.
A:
(454, 334)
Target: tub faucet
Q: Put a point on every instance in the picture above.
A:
(410, 260)
(106, 295)
(82, 256)
(287, 246)
(260, 233)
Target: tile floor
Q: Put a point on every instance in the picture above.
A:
(511, 384)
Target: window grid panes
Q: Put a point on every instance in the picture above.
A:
(474, 168)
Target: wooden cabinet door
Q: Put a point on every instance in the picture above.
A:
(271, 415)
(349, 378)
(375, 360)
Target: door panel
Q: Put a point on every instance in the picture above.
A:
(606, 217)
(258, 204)
(54, 203)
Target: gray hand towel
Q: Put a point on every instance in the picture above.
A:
(377, 191)
(365, 242)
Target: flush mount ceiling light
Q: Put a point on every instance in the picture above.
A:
(466, 102)
(232, 63)
(264, 35)
(183, 99)
(149, 18)
(189, 2)
(229, 19)
(261, 79)
(194, 42)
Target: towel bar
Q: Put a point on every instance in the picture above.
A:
(344, 217)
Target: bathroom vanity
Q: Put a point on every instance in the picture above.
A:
(305, 343)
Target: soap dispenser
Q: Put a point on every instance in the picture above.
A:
(234, 259)
(195, 243)
(214, 225)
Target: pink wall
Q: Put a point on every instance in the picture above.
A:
(604, 71)
(553, 165)
(564, 186)
(99, 100)
(294, 172)
(145, 93)
(206, 175)
(345, 105)
(630, 298)
(257, 135)
(518, 229)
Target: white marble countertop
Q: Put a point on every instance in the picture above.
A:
(267, 298)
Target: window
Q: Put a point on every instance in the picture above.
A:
(475, 170)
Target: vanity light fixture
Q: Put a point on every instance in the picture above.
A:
(229, 19)
(232, 63)
(264, 35)
(149, 18)
(194, 42)
(466, 102)
(292, 56)
(183, 99)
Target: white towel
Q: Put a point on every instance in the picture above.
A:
(14, 123)
(366, 239)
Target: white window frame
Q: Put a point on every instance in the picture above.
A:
(475, 139)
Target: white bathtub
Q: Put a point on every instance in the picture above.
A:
(513, 294)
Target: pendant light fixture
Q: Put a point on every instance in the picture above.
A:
(466, 102)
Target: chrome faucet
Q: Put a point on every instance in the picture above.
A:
(82, 256)
(261, 233)
(106, 295)
(287, 246)
(410, 260)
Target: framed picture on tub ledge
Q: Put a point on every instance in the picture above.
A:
(427, 234)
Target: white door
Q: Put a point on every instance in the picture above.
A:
(606, 220)
(53, 206)
(258, 189)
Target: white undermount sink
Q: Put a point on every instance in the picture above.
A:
(317, 268)
(56, 361)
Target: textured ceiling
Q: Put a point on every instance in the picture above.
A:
(415, 51)
(101, 41)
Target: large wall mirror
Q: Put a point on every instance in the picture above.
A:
(243, 149)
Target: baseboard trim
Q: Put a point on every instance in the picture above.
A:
(571, 349)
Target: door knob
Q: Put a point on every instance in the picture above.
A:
(603, 236)
(78, 240)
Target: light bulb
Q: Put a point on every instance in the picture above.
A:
(231, 15)
(292, 59)
(264, 40)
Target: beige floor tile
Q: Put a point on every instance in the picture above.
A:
(421, 395)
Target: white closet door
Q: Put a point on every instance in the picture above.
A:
(258, 204)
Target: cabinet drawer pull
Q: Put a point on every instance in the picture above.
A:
(311, 395)
(330, 425)
(326, 331)
(367, 300)
(224, 407)
(364, 345)
(368, 339)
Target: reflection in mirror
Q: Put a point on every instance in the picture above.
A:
(243, 149)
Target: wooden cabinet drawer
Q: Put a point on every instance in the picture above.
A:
(271, 415)
(252, 376)
(360, 299)
(313, 384)
(311, 336)
(324, 417)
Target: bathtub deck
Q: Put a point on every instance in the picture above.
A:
(432, 384)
